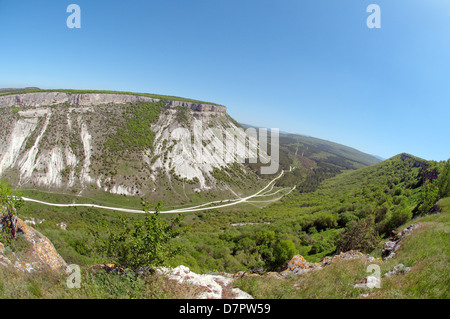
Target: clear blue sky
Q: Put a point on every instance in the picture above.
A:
(308, 67)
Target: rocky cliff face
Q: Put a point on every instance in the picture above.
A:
(59, 141)
(92, 99)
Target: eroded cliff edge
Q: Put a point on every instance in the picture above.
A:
(91, 99)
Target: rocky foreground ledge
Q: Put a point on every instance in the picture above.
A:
(38, 99)
(42, 255)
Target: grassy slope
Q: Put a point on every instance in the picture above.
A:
(426, 251)
(94, 285)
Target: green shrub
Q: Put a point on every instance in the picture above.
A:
(136, 135)
(283, 252)
(359, 235)
(146, 242)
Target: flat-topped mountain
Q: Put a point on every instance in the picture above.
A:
(36, 99)
(125, 144)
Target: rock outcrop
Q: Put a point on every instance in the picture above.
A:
(298, 264)
(399, 269)
(211, 286)
(427, 174)
(214, 285)
(390, 247)
(91, 99)
(40, 254)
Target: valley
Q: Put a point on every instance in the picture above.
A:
(162, 152)
(203, 207)
(90, 166)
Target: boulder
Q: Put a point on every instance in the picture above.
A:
(41, 254)
(399, 269)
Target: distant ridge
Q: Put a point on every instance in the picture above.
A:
(379, 157)
(14, 90)
(330, 147)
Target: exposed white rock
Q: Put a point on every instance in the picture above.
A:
(86, 139)
(214, 284)
(195, 151)
(62, 225)
(28, 162)
(55, 165)
(10, 151)
(399, 269)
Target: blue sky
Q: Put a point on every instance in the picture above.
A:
(308, 67)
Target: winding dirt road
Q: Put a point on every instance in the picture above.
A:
(229, 202)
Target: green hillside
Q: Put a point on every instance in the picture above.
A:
(308, 161)
(369, 202)
(425, 251)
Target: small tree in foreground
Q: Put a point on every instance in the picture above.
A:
(146, 242)
(10, 203)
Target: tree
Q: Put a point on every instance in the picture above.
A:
(283, 252)
(138, 243)
(444, 180)
(359, 235)
(10, 203)
(433, 190)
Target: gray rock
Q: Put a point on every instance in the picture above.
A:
(90, 99)
(399, 269)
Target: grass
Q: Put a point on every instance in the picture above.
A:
(426, 251)
(95, 284)
(332, 282)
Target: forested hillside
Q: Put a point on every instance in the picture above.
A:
(308, 161)
(353, 210)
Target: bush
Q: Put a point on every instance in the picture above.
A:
(283, 252)
(346, 217)
(393, 220)
(359, 235)
(147, 242)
